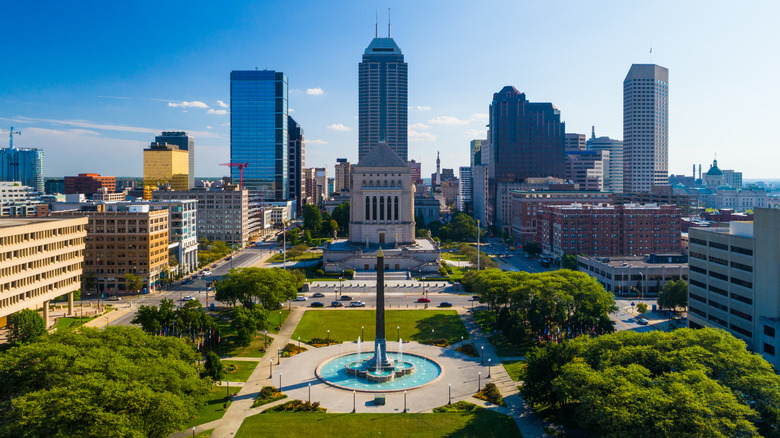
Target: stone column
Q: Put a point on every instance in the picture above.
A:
(70, 304)
(46, 313)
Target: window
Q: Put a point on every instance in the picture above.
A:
(769, 331)
(769, 349)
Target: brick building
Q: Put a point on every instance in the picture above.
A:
(89, 184)
(525, 206)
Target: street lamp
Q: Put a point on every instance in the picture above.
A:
(299, 345)
(399, 332)
(479, 381)
(404, 401)
(641, 294)
(482, 354)
(309, 392)
(354, 401)
(278, 355)
(362, 336)
(271, 364)
(227, 390)
(329, 338)
(489, 361)
(265, 340)
(449, 388)
(280, 382)
(280, 320)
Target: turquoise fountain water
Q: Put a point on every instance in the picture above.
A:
(423, 371)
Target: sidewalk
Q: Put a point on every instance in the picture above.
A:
(103, 320)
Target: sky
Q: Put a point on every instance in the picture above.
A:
(93, 82)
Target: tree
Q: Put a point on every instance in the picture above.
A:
(213, 366)
(341, 216)
(88, 281)
(462, 228)
(674, 295)
(311, 218)
(246, 321)
(133, 282)
(532, 248)
(641, 308)
(25, 326)
(334, 226)
(569, 261)
(88, 382)
(270, 287)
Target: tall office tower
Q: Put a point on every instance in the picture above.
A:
(23, 165)
(309, 185)
(645, 128)
(575, 141)
(382, 98)
(476, 154)
(464, 198)
(321, 193)
(343, 180)
(296, 161)
(258, 132)
(613, 173)
(165, 164)
(185, 143)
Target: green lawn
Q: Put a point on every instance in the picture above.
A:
(254, 349)
(68, 322)
(279, 258)
(482, 423)
(416, 325)
(514, 368)
(275, 321)
(243, 372)
(454, 256)
(213, 409)
(504, 347)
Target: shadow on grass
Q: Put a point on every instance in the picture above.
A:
(440, 326)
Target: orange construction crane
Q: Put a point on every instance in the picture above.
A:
(241, 167)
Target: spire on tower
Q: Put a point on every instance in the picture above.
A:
(376, 24)
(388, 22)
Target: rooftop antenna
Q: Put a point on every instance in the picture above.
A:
(376, 24)
(388, 22)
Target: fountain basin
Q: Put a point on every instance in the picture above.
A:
(410, 371)
(365, 370)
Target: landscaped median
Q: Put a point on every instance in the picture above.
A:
(216, 404)
(238, 370)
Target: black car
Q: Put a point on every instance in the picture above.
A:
(445, 304)
(318, 304)
(318, 295)
(345, 298)
(336, 304)
(475, 298)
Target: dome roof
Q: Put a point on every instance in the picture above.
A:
(714, 171)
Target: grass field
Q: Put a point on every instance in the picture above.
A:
(415, 325)
(68, 322)
(505, 348)
(279, 258)
(454, 256)
(482, 423)
(514, 368)
(255, 349)
(213, 409)
(243, 372)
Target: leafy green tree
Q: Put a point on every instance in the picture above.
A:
(532, 248)
(133, 282)
(462, 228)
(312, 218)
(641, 308)
(270, 287)
(334, 226)
(90, 383)
(341, 216)
(307, 237)
(246, 321)
(674, 295)
(214, 367)
(25, 326)
(569, 261)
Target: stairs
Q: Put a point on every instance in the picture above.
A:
(371, 275)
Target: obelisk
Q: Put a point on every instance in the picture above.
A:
(380, 346)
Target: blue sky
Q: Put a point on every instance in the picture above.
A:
(92, 82)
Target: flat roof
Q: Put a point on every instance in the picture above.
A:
(11, 222)
(636, 262)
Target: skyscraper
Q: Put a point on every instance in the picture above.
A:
(613, 181)
(475, 153)
(22, 164)
(383, 98)
(645, 128)
(258, 132)
(165, 164)
(343, 180)
(296, 161)
(185, 143)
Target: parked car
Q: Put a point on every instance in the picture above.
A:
(114, 298)
(423, 300)
(318, 304)
(206, 273)
(187, 298)
(475, 298)
(301, 298)
(642, 321)
(445, 304)
(345, 298)
(357, 304)
(336, 304)
(318, 295)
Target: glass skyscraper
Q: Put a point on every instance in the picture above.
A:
(258, 132)
(23, 165)
(383, 98)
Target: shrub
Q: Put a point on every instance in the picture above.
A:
(213, 365)
(442, 271)
(444, 263)
(267, 395)
(291, 350)
(297, 406)
(320, 272)
(441, 342)
(490, 393)
(319, 341)
(349, 273)
(461, 406)
(468, 349)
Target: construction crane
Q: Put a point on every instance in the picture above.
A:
(240, 167)
(11, 137)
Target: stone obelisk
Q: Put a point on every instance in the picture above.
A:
(380, 359)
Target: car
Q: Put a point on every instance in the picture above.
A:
(336, 304)
(357, 304)
(206, 273)
(423, 300)
(186, 281)
(445, 304)
(301, 298)
(230, 258)
(114, 298)
(475, 298)
(318, 304)
(318, 295)
(187, 298)
(642, 321)
(345, 298)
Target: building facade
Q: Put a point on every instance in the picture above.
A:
(383, 98)
(575, 141)
(641, 276)
(587, 169)
(464, 197)
(343, 179)
(735, 281)
(475, 152)
(613, 173)
(321, 192)
(165, 164)
(645, 128)
(296, 162)
(221, 214)
(89, 184)
(527, 204)
(24, 165)
(40, 259)
(259, 132)
(185, 143)
(17, 200)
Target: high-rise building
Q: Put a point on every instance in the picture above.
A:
(645, 128)
(588, 169)
(296, 161)
(343, 180)
(258, 132)
(89, 184)
(613, 173)
(475, 154)
(382, 98)
(464, 198)
(185, 143)
(221, 214)
(24, 165)
(309, 185)
(165, 164)
(321, 192)
(575, 141)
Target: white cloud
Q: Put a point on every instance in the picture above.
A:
(475, 134)
(222, 104)
(316, 141)
(315, 91)
(418, 126)
(415, 136)
(109, 127)
(218, 112)
(339, 127)
(421, 107)
(479, 118)
(447, 120)
(290, 110)
(185, 104)
(209, 127)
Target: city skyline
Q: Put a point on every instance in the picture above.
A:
(91, 97)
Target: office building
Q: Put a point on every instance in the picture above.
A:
(296, 161)
(40, 259)
(475, 152)
(735, 281)
(343, 179)
(613, 173)
(53, 186)
(185, 143)
(587, 169)
(20, 201)
(608, 230)
(383, 98)
(464, 198)
(732, 178)
(259, 132)
(165, 165)
(89, 184)
(526, 204)
(645, 128)
(575, 141)
(635, 275)
(321, 193)
(23, 165)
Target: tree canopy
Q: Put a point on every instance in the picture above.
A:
(312, 219)
(96, 383)
(25, 326)
(341, 216)
(684, 383)
(674, 295)
(269, 287)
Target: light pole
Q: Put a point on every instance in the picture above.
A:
(489, 361)
(280, 320)
(299, 345)
(449, 388)
(328, 338)
(265, 340)
(278, 355)
(479, 381)
(354, 401)
(280, 382)
(309, 392)
(642, 286)
(227, 390)
(478, 250)
(271, 364)
(482, 354)
(362, 336)
(404, 401)
(193, 432)
(399, 333)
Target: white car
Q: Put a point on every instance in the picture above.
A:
(206, 273)
(187, 298)
(301, 298)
